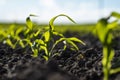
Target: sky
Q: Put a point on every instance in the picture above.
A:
(81, 11)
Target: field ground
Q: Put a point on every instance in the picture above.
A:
(18, 64)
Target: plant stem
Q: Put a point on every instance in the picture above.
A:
(105, 63)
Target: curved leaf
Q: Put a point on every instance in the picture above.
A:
(53, 19)
(35, 52)
(76, 40)
(58, 34)
(41, 42)
(9, 42)
(73, 44)
(28, 42)
(47, 36)
(45, 49)
(19, 30)
(115, 14)
(33, 15)
(60, 40)
(46, 58)
(112, 24)
(21, 43)
(37, 33)
(101, 29)
(116, 70)
(29, 23)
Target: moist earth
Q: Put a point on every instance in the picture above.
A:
(85, 64)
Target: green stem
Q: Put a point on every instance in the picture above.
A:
(106, 61)
(105, 64)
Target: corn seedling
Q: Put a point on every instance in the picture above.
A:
(29, 31)
(48, 37)
(104, 32)
(46, 43)
(11, 36)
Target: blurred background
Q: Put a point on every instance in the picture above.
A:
(82, 11)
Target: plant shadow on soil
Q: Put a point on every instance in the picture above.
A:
(18, 64)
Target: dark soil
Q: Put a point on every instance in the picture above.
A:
(18, 64)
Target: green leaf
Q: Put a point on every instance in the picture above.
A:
(112, 53)
(47, 36)
(113, 71)
(33, 15)
(101, 29)
(115, 14)
(29, 23)
(109, 38)
(46, 58)
(113, 24)
(28, 42)
(4, 34)
(18, 31)
(35, 52)
(72, 43)
(12, 27)
(58, 34)
(21, 44)
(45, 49)
(53, 19)
(60, 40)
(11, 30)
(9, 42)
(76, 40)
(27, 32)
(41, 42)
(37, 33)
(65, 46)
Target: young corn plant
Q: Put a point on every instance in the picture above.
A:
(104, 32)
(11, 36)
(30, 34)
(47, 40)
(30, 29)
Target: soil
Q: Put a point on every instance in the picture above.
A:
(18, 64)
